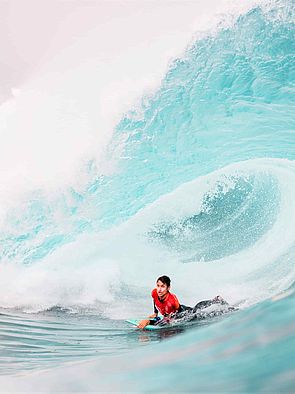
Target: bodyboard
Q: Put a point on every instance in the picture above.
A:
(149, 327)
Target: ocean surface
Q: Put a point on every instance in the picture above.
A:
(196, 181)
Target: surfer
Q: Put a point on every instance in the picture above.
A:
(168, 306)
(165, 302)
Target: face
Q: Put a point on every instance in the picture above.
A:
(162, 289)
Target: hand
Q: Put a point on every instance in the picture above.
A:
(143, 323)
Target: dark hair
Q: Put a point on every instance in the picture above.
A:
(165, 279)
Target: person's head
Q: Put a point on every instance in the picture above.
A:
(163, 285)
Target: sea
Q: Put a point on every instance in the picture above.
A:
(187, 170)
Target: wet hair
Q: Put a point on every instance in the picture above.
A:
(165, 279)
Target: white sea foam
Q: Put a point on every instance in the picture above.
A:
(65, 111)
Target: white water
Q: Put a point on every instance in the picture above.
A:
(90, 272)
(63, 111)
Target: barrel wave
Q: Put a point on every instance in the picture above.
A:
(201, 189)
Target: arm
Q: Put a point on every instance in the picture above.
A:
(143, 323)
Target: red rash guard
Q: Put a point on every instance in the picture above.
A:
(169, 305)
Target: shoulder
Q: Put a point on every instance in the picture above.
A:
(154, 293)
(174, 298)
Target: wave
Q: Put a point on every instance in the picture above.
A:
(231, 232)
(199, 186)
(196, 181)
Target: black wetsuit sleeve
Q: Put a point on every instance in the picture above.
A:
(155, 309)
(184, 308)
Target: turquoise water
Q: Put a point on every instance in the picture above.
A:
(202, 191)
